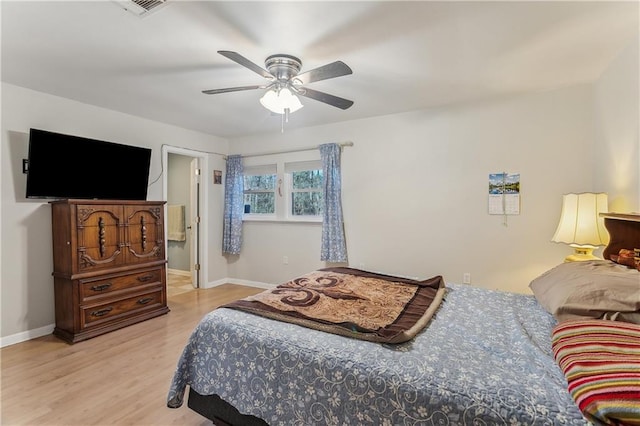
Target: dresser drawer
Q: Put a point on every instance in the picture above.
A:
(108, 312)
(103, 286)
(109, 265)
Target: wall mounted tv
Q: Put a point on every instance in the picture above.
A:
(63, 166)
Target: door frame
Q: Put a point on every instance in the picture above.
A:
(202, 194)
(194, 220)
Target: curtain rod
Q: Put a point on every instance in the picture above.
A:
(286, 151)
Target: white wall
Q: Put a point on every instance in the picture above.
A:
(265, 244)
(414, 187)
(617, 167)
(26, 284)
(415, 184)
(415, 190)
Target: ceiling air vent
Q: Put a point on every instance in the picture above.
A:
(140, 7)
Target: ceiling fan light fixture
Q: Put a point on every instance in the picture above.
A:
(286, 83)
(278, 100)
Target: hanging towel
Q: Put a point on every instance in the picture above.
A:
(176, 223)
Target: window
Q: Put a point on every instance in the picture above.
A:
(305, 188)
(260, 190)
(284, 191)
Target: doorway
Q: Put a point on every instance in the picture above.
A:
(182, 191)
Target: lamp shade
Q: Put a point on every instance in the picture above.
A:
(580, 223)
(279, 100)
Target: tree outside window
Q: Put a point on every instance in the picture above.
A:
(259, 194)
(306, 193)
(284, 191)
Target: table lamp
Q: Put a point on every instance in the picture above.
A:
(580, 225)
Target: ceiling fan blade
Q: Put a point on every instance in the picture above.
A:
(332, 70)
(238, 58)
(231, 89)
(335, 101)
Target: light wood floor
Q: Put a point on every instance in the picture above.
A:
(120, 378)
(178, 284)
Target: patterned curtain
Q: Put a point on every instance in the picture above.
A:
(334, 247)
(233, 206)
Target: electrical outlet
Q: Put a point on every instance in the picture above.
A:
(285, 260)
(466, 278)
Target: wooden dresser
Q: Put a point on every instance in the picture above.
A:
(624, 232)
(109, 265)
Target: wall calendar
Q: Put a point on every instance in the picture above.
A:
(504, 193)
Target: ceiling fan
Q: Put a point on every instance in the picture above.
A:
(285, 82)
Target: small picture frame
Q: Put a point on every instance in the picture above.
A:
(217, 177)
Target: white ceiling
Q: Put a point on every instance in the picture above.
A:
(404, 55)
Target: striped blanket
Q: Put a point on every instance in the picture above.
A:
(601, 361)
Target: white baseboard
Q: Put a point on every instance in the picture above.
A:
(248, 283)
(179, 272)
(43, 331)
(26, 335)
(214, 283)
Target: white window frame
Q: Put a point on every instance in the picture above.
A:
(289, 169)
(266, 169)
(284, 167)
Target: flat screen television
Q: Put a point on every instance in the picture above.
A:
(63, 166)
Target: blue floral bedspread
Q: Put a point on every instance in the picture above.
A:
(485, 359)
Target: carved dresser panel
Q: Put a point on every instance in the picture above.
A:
(109, 265)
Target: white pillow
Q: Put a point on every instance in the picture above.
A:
(591, 289)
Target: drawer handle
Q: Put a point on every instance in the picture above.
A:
(101, 287)
(101, 312)
(145, 278)
(145, 300)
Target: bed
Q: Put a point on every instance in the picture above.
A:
(483, 358)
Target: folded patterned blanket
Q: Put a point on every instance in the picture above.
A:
(351, 302)
(601, 361)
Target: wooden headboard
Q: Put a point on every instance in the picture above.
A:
(624, 232)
